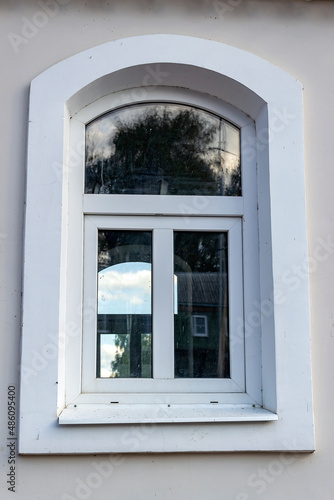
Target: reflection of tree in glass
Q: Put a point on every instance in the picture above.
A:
(165, 147)
(202, 252)
(123, 246)
(201, 265)
(132, 364)
(121, 365)
(161, 152)
(146, 355)
(233, 187)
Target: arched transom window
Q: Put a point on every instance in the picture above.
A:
(166, 149)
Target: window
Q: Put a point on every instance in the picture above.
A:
(168, 197)
(169, 150)
(176, 154)
(199, 325)
(161, 236)
(172, 363)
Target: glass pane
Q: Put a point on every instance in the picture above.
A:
(163, 149)
(124, 322)
(201, 317)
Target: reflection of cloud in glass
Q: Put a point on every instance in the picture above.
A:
(125, 289)
(108, 353)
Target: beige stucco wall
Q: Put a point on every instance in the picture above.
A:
(297, 36)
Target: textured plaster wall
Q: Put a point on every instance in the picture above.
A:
(297, 36)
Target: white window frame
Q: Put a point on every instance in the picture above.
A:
(163, 382)
(273, 100)
(237, 215)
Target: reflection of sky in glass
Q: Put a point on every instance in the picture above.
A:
(125, 289)
(108, 351)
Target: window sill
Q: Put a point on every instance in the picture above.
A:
(162, 413)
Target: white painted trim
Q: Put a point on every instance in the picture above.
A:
(163, 304)
(163, 204)
(176, 398)
(169, 222)
(273, 100)
(158, 413)
(161, 94)
(251, 266)
(236, 306)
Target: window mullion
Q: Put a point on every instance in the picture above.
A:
(163, 312)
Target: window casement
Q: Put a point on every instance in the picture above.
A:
(171, 172)
(161, 239)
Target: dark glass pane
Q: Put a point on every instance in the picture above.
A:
(201, 316)
(124, 324)
(164, 149)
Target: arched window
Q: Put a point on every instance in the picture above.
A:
(166, 149)
(177, 154)
(165, 207)
(162, 149)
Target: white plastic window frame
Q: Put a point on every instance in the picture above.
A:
(163, 382)
(237, 215)
(273, 100)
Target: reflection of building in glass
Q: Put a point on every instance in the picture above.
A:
(201, 326)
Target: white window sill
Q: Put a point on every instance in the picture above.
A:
(162, 413)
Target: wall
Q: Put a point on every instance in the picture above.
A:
(297, 36)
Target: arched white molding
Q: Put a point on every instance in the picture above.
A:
(273, 99)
